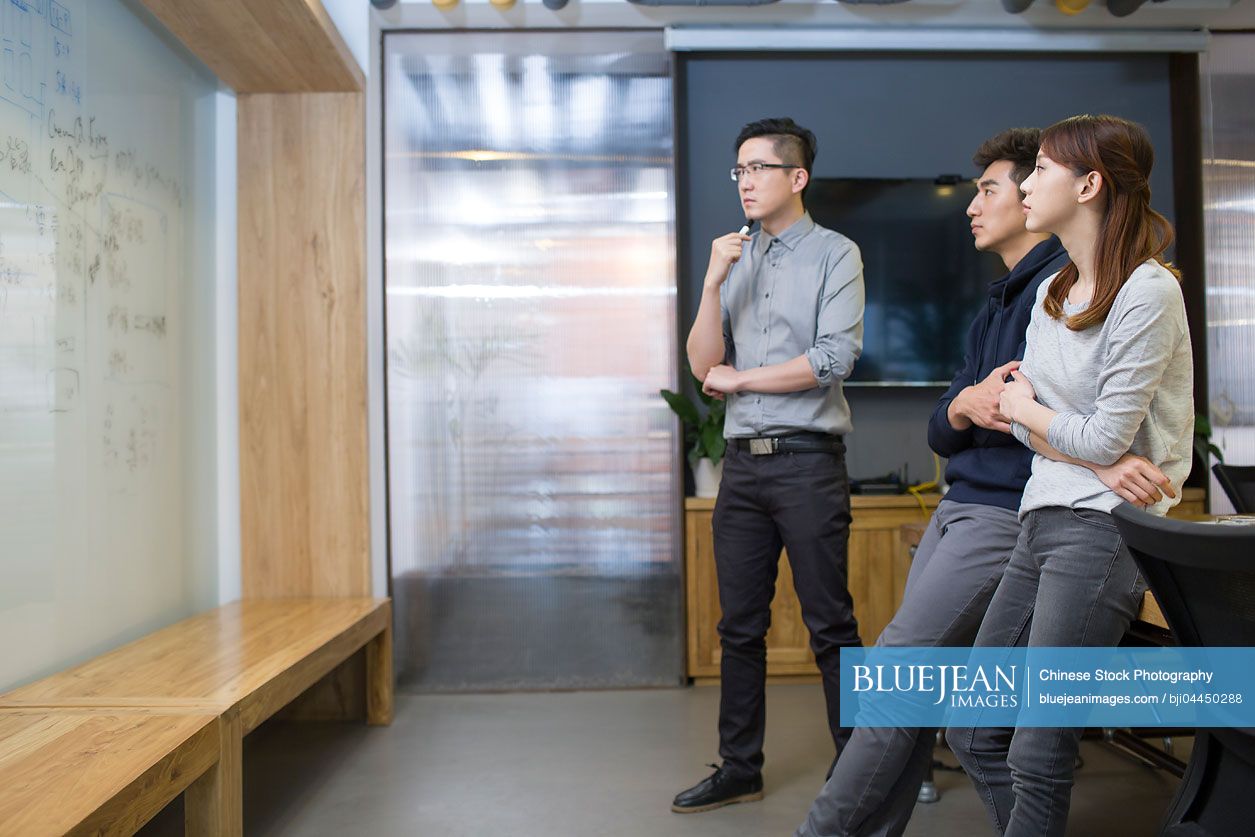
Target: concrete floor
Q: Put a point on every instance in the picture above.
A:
(596, 763)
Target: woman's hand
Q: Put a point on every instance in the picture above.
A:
(1015, 393)
(1137, 480)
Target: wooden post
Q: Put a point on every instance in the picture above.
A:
(379, 677)
(214, 803)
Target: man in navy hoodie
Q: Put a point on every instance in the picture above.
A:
(958, 564)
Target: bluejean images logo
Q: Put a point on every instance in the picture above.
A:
(958, 686)
(1048, 687)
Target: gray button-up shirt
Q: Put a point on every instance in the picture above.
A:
(800, 293)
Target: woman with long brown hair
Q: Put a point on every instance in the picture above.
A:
(1107, 371)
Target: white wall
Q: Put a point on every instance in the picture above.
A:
(227, 349)
(352, 18)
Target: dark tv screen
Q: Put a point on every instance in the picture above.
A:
(925, 280)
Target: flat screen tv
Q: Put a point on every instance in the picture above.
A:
(925, 280)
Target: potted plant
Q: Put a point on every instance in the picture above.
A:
(703, 436)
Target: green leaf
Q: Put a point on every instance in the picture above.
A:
(717, 411)
(719, 448)
(712, 442)
(682, 407)
(1202, 439)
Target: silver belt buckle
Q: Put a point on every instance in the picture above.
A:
(759, 447)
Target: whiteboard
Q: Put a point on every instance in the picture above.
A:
(102, 149)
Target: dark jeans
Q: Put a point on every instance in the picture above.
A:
(1071, 583)
(801, 502)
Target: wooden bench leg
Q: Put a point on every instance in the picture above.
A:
(379, 678)
(214, 803)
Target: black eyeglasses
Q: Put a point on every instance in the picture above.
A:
(756, 168)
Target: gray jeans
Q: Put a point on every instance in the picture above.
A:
(1070, 582)
(953, 577)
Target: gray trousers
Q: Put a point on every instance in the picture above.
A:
(1070, 582)
(953, 577)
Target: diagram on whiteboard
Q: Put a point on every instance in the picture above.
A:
(107, 159)
(97, 139)
(89, 239)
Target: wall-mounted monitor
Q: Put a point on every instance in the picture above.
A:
(925, 279)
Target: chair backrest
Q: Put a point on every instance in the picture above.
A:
(1238, 482)
(1202, 575)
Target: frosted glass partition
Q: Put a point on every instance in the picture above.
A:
(107, 457)
(530, 306)
(1228, 79)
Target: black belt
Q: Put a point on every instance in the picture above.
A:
(793, 443)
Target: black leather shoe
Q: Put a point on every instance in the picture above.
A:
(719, 789)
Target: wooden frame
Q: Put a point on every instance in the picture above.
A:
(302, 288)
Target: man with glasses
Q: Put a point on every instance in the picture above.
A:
(779, 327)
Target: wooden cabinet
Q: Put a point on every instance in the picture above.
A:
(877, 577)
(878, 565)
(1193, 505)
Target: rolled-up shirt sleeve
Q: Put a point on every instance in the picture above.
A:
(1139, 349)
(839, 327)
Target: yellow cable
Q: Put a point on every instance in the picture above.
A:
(917, 490)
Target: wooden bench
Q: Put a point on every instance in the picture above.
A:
(91, 772)
(240, 664)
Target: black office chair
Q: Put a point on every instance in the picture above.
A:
(1203, 576)
(1238, 482)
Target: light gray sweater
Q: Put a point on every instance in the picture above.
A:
(1124, 386)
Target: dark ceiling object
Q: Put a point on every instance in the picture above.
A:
(555, 4)
(1016, 6)
(1124, 8)
(383, 4)
(702, 2)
